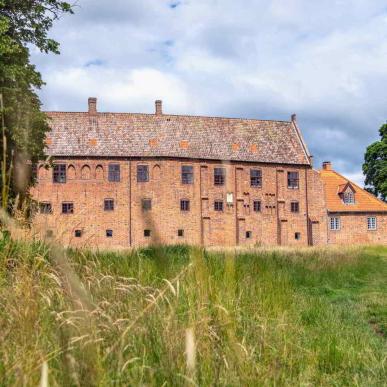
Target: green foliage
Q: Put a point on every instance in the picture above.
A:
(23, 125)
(375, 165)
(270, 317)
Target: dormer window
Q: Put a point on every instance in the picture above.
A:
(348, 197)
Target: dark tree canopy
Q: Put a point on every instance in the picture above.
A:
(375, 165)
(23, 125)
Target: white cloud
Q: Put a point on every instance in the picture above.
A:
(264, 59)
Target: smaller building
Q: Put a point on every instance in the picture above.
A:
(354, 215)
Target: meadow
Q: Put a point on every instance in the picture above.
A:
(173, 316)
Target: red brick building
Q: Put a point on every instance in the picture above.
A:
(126, 179)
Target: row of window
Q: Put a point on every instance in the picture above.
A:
(187, 175)
(146, 205)
(335, 223)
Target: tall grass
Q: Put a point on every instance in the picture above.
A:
(183, 316)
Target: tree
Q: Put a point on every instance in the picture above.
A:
(23, 125)
(375, 165)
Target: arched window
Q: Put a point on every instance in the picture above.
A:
(71, 172)
(85, 172)
(99, 172)
(156, 172)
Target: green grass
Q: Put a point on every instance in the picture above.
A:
(265, 317)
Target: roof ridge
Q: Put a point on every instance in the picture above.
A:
(364, 190)
(170, 115)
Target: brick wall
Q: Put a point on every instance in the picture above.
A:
(87, 186)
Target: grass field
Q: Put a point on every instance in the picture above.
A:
(178, 316)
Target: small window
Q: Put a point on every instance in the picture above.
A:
(248, 234)
(45, 208)
(108, 205)
(184, 205)
(297, 235)
(109, 233)
(146, 204)
(67, 208)
(334, 223)
(293, 180)
(219, 176)
(187, 174)
(147, 233)
(218, 205)
(59, 173)
(255, 177)
(180, 232)
(49, 233)
(114, 172)
(257, 205)
(142, 173)
(78, 233)
(294, 207)
(348, 198)
(371, 223)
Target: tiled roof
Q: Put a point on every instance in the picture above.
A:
(163, 135)
(364, 201)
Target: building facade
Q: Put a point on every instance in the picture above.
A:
(120, 180)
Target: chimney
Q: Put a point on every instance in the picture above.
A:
(159, 107)
(327, 165)
(294, 117)
(92, 105)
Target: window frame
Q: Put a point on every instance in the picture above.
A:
(76, 232)
(291, 180)
(248, 234)
(107, 207)
(187, 177)
(145, 207)
(219, 176)
(218, 202)
(59, 173)
(336, 222)
(42, 205)
(114, 175)
(375, 223)
(256, 179)
(141, 178)
(147, 233)
(180, 233)
(295, 207)
(297, 236)
(345, 197)
(183, 202)
(71, 205)
(109, 233)
(257, 205)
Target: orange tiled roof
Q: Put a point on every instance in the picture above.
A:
(364, 201)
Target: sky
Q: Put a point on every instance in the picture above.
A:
(324, 60)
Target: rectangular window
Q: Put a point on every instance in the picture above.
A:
(147, 233)
(108, 205)
(187, 174)
(78, 233)
(184, 205)
(218, 205)
(49, 233)
(293, 180)
(248, 234)
(334, 223)
(180, 232)
(255, 177)
(146, 204)
(114, 172)
(67, 208)
(294, 207)
(371, 223)
(45, 208)
(257, 205)
(59, 173)
(297, 235)
(219, 176)
(109, 233)
(142, 173)
(349, 198)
